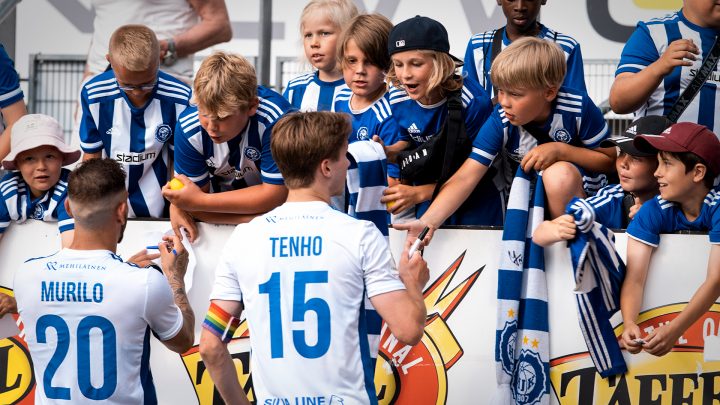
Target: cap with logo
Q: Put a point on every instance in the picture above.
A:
(419, 33)
(651, 124)
(685, 137)
(34, 130)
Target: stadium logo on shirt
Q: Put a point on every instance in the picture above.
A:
(362, 134)
(422, 368)
(561, 135)
(163, 133)
(681, 373)
(252, 153)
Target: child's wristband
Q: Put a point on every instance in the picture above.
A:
(220, 323)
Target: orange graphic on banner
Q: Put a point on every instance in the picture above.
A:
(418, 374)
(17, 383)
(681, 376)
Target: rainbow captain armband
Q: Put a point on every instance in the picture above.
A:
(220, 323)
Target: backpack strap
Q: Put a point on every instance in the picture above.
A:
(454, 124)
(693, 88)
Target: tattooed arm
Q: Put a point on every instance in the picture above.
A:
(174, 259)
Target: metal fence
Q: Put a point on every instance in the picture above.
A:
(54, 87)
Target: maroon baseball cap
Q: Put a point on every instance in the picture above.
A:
(685, 137)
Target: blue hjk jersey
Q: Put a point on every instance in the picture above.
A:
(650, 40)
(17, 205)
(302, 272)
(608, 206)
(308, 93)
(140, 139)
(88, 319)
(376, 119)
(573, 117)
(10, 91)
(419, 122)
(661, 216)
(238, 163)
(479, 51)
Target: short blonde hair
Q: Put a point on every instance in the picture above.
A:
(340, 12)
(135, 47)
(370, 33)
(225, 84)
(301, 141)
(443, 74)
(529, 63)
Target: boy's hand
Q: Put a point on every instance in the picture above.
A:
(542, 156)
(560, 228)
(631, 338)
(679, 53)
(634, 209)
(414, 228)
(143, 258)
(180, 219)
(185, 198)
(392, 150)
(404, 197)
(661, 340)
(8, 305)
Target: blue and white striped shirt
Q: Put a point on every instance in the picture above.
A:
(308, 93)
(650, 40)
(375, 119)
(608, 206)
(140, 139)
(573, 115)
(18, 206)
(479, 51)
(241, 162)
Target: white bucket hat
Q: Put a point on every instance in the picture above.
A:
(35, 130)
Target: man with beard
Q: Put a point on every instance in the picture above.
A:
(87, 314)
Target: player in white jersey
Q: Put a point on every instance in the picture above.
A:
(88, 315)
(301, 272)
(129, 114)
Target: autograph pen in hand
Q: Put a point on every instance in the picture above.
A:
(417, 242)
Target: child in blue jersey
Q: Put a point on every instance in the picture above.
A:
(265, 274)
(222, 147)
(364, 61)
(528, 75)
(12, 106)
(36, 185)
(689, 159)
(129, 114)
(423, 74)
(321, 24)
(522, 21)
(635, 169)
(660, 59)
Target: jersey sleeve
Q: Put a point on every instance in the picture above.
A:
(226, 285)
(10, 91)
(269, 171)
(90, 138)
(489, 141)
(4, 215)
(378, 265)
(188, 160)
(594, 129)
(477, 111)
(639, 51)
(646, 226)
(469, 69)
(161, 313)
(65, 221)
(575, 76)
(714, 233)
(390, 134)
(607, 204)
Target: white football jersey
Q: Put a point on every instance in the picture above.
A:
(302, 271)
(87, 319)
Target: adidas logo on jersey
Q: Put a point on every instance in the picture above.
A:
(632, 130)
(111, 131)
(413, 129)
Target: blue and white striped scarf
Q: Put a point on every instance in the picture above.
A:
(522, 346)
(598, 271)
(366, 182)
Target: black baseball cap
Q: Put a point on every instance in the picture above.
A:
(649, 125)
(419, 33)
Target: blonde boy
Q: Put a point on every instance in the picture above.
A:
(539, 125)
(129, 113)
(222, 152)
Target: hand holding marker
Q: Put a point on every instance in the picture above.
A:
(417, 242)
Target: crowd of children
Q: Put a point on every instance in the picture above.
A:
(523, 103)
